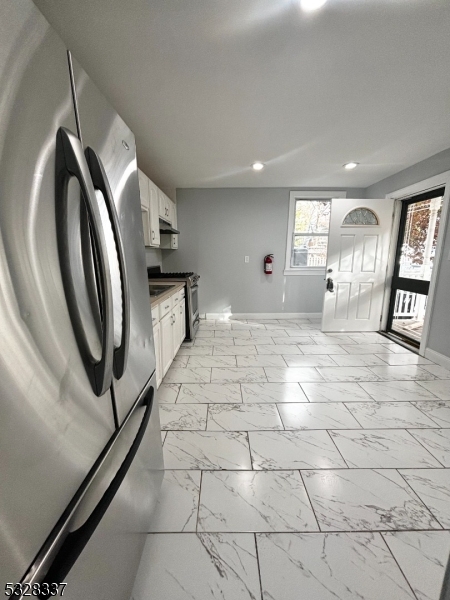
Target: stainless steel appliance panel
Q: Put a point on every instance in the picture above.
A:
(107, 567)
(106, 133)
(52, 425)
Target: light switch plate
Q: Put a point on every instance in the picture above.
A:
(246, 259)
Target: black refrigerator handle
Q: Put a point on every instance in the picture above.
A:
(75, 541)
(100, 181)
(70, 162)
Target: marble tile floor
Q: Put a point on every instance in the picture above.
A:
(300, 465)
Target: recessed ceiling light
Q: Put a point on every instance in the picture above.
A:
(310, 5)
(351, 165)
(257, 166)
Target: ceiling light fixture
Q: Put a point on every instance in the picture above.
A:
(258, 166)
(310, 5)
(350, 165)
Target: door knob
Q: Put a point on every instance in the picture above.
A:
(330, 285)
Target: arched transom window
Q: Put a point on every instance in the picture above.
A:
(360, 216)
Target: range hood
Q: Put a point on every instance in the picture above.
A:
(165, 227)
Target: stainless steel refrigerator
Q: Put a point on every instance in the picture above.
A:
(80, 446)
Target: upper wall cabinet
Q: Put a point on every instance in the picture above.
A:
(154, 204)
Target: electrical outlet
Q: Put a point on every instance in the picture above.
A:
(246, 259)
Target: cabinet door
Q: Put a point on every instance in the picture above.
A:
(176, 329)
(157, 340)
(154, 214)
(183, 320)
(166, 342)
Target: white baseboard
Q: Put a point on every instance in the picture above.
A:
(438, 358)
(261, 316)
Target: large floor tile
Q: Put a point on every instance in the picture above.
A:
(397, 390)
(260, 333)
(278, 349)
(317, 416)
(404, 359)
(422, 556)
(439, 388)
(329, 566)
(293, 450)
(335, 392)
(291, 341)
(332, 339)
(365, 499)
(204, 333)
(264, 360)
(438, 371)
(368, 338)
(395, 348)
(208, 342)
(212, 361)
(189, 566)
(365, 348)
(433, 488)
(187, 375)
(316, 360)
(383, 449)
(254, 501)
(437, 410)
(388, 415)
(253, 341)
(292, 374)
(436, 441)
(167, 393)
(321, 349)
(178, 417)
(231, 334)
(180, 361)
(209, 393)
(234, 350)
(238, 375)
(243, 417)
(347, 374)
(272, 392)
(177, 505)
(195, 351)
(358, 360)
(206, 450)
(402, 373)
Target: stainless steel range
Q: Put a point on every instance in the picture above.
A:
(191, 280)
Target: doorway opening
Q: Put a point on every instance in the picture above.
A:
(416, 248)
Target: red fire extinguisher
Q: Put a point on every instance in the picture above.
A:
(268, 264)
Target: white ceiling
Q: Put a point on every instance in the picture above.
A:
(210, 86)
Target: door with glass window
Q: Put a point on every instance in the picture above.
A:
(416, 248)
(358, 248)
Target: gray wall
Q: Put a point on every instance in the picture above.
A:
(439, 338)
(221, 226)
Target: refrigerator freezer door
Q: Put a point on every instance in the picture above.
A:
(52, 425)
(105, 132)
(100, 555)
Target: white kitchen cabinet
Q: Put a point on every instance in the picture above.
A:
(164, 207)
(167, 348)
(182, 306)
(169, 330)
(169, 241)
(157, 340)
(149, 210)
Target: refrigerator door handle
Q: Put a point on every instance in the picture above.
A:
(75, 541)
(100, 181)
(70, 162)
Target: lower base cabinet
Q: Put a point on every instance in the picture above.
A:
(157, 340)
(169, 331)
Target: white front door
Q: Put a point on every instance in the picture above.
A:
(358, 247)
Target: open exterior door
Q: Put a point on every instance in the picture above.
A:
(358, 248)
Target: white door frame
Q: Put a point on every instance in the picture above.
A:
(443, 179)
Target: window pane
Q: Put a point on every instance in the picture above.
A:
(361, 216)
(420, 239)
(312, 216)
(309, 251)
(409, 314)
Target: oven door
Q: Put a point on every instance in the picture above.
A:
(194, 318)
